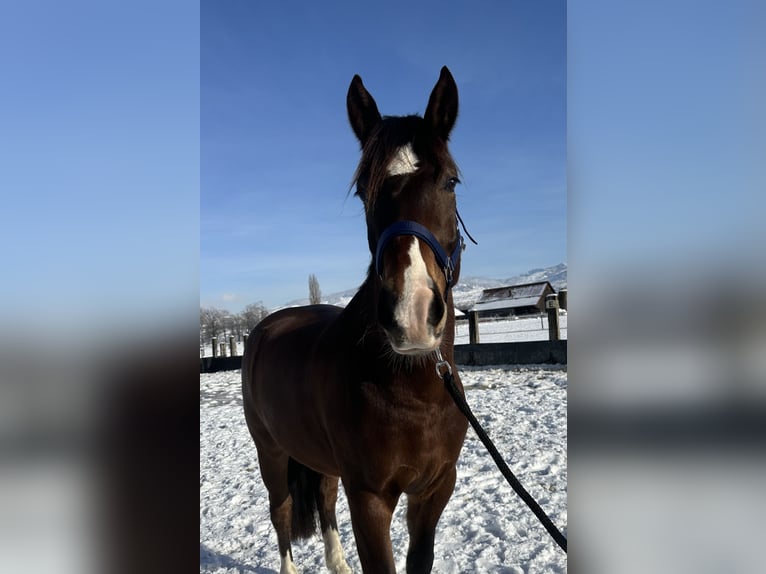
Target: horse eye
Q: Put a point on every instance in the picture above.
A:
(451, 183)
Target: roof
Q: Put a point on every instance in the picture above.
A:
(516, 291)
(506, 304)
(512, 296)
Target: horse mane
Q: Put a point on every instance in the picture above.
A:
(391, 133)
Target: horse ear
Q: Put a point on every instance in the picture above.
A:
(441, 112)
(362, 110)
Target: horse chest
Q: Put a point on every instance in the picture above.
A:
(404, 440)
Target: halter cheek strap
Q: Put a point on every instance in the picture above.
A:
(447, 262)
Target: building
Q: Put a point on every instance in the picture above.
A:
(514, 300)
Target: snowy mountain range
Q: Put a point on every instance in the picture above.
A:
(469, 289)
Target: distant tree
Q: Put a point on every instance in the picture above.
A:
(251, 315)
(229, 324)
(315, 294)
(239, 326)
(211, 323)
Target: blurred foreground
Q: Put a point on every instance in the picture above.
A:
(667, 424)
(98, 459)
(666, 276)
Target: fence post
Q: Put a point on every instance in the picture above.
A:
(232, 346)
(214, 343)
(552, 307)
(563, 298)
(473, 327)
(223, 348)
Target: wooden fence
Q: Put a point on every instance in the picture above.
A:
(221, 349)
(227, 354)
(553, 303)
(521, 353)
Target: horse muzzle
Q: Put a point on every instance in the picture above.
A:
(412, 310)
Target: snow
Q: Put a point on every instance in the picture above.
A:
(485, 527)
(511, 330)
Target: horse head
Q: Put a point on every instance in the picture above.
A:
(406, 179)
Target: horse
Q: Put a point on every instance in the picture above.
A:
(352, 393)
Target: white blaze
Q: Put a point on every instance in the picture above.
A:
(405, 161)
(411, 312)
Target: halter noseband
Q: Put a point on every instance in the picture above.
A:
(447, 262)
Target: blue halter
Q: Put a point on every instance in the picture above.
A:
(447, 262)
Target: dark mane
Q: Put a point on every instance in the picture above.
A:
(389, 135)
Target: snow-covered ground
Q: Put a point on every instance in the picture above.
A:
(511, 330)
(485, 527)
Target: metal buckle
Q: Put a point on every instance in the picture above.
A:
(440, 362)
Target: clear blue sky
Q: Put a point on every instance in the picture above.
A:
(666, 136)
(277, 153)
(112, 113)
(99, 162)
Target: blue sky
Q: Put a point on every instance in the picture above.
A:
(277, 153)
(99, 161)
(666, 136)
(115, 115)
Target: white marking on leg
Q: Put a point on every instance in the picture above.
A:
(333, 553)
(405, 161)
(287, 566)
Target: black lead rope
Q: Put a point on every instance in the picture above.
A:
(460, 219)
(449, 383)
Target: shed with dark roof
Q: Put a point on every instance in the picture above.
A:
(513, 300)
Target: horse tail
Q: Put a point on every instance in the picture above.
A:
(304, 488)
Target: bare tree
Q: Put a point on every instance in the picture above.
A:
(315, 294)
(211, 323)
(253, 314)
(229, 324)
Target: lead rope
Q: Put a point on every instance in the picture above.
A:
(444, 370)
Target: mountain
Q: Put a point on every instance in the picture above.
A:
(556, 276)
(469, 289)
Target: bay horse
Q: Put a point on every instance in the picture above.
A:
(353, 393)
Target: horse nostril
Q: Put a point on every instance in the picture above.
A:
(386, 308)
(437, 309)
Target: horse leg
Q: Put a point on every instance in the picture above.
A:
(333, 552)
(274, 475)
(371, 518)
(422, 516)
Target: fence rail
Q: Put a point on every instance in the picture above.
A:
(552, 314)
(509, 341)
(509, 330)
(513, 330)
(221, 349)
(522, 353)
